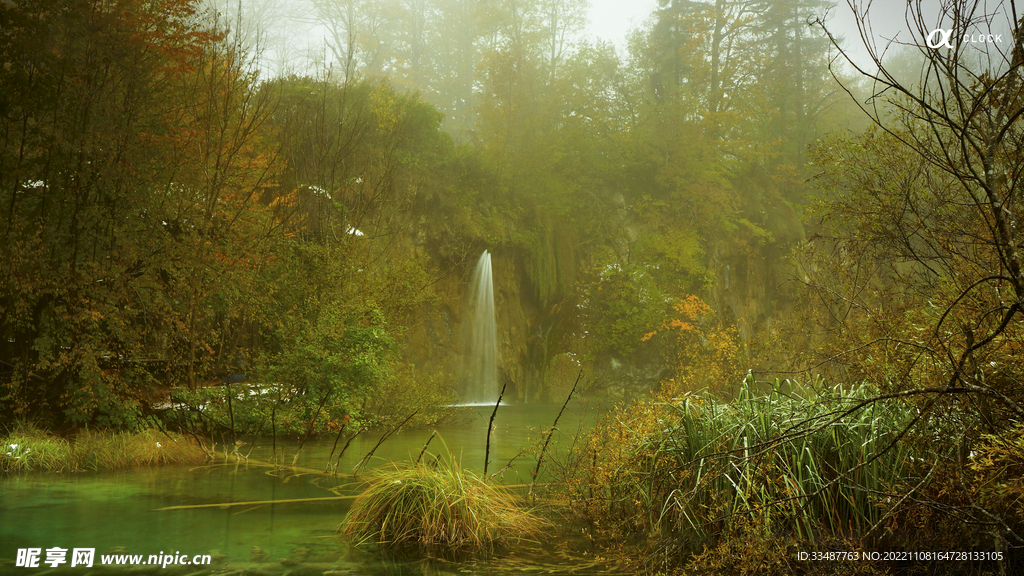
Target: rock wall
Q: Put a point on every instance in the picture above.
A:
(437, 339)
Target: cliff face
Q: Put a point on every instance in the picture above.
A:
(752, 275)
(438, 338)
(743, 288)
(536, 311)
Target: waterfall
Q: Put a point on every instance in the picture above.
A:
(482, 385)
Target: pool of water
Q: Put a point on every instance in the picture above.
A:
(126, 512)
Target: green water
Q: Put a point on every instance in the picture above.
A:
(117, 512)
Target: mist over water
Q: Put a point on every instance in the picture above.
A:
(482, 381)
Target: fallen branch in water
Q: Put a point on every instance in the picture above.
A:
(253, 503)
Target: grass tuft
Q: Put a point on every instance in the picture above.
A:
(26, 447)
(438, 506)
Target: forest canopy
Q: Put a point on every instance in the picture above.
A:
(173, 215)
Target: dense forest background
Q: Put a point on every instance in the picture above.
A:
(183, 204)
(173, 215)
(190, 199)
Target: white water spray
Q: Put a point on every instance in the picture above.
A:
(482, 386)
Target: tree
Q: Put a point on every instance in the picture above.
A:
(359, 34)
(962, 121)
(130, 167)
(748, 71)
(922, 244)
(272, 29)
(563, 20)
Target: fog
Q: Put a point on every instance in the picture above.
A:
(777, 242)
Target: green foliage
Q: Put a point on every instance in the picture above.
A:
(430, 396)
(337, 354)
(620, 305)
(438, 506)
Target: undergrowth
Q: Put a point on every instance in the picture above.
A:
(684, 471)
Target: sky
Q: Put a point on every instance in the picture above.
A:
(613, 19)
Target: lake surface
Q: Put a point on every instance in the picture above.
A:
(118, 512)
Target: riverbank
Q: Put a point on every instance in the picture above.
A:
(26, 447)
(251, 516)
(792, 478)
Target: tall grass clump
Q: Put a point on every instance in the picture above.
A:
(117, 450)
(438, 506)
(685, 469)
(26, 447)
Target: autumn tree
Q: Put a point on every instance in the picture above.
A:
(961, 122)
(916, 272)
(130, 167)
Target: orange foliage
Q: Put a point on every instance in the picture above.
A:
(700, 349)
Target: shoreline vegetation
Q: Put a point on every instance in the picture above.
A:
(699, 484)
(26, 447)
(693, 482)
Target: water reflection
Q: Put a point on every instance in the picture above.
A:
(126, 512)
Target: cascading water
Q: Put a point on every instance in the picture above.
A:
(482, 385)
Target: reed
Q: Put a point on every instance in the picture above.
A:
(29, 448)
(26, 448)
(438, 506)
(117, 450)
(688, 466)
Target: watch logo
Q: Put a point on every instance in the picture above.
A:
(939, 37)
